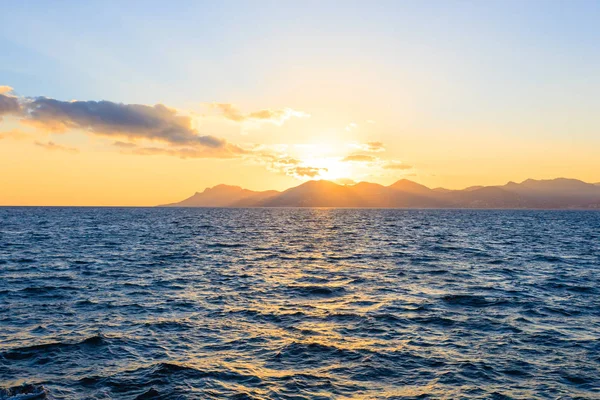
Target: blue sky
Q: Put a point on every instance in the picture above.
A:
(206, 51)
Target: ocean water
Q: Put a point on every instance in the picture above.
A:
(129, 303)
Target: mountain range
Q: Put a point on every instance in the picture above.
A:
(560, 193)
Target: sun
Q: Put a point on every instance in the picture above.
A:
(330, 168)
(334, 168)
(328, 160)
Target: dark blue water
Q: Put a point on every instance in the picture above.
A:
(298, 303)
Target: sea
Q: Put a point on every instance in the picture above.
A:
(298, 303)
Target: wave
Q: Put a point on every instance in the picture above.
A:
(25, 392)
(225, 245)
(168, 369)
(169, 325)
(434, 320)
(471, 300)
(166, 374)
(548, 258)
(150, 394)
(27, 352)
(344, 317)
(317, 291)
(314, 352)
(45, 289)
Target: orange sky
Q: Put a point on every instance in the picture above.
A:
(82, 168)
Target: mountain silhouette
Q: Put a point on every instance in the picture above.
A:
(224, 196)
(558, 193)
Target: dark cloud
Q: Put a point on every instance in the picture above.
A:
(359, 158)
(107, 118)
(9, 105)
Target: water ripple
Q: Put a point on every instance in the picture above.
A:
(298, 304)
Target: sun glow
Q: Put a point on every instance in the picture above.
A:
(330, 168)
(326, 158)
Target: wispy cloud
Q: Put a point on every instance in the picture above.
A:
(227, 151)
(57, 147)
(359, 158)
(397, 166)
(276, 159)
(373, 147)
(277, 117)
(351, 126)
(305, 172)
(124, 145)
(14, 134)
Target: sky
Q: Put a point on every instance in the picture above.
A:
(145, 103)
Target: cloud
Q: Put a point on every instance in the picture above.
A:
(57, 147)
(134, 121)
(277, 117)
(287, 161)
(8, 104)
(5, 89)
(276, 157)
(303, 172)
(373, 147)
(14, 134)
(124, 145)
(227, 151)
(397, 166)
(277, 160)
(359, 158)
(107, 118)
(230, 112)
(351, 126)
(187, 152)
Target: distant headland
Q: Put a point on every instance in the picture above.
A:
(560, 193)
